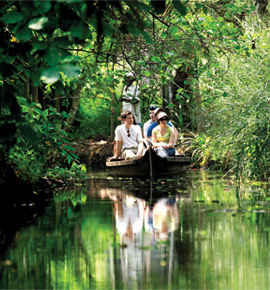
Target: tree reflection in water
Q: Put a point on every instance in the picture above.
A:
(129, 234)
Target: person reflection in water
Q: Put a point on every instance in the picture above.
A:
(129, 214)
(163, 219)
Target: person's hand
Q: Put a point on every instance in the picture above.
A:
(165, 146)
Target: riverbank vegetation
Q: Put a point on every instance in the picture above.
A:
(62, 72)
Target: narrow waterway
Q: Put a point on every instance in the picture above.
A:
(199, 231)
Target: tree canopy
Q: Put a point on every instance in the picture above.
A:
(62, 59)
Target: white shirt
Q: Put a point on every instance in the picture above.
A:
(132, 92)
(131, 214)
(146, 126)
(121, 134)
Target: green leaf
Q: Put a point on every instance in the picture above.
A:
(155, 59)
(35, 76)
(179, 7)
(62, 41)
(23, 33)
(80, 30)
(50, 75)
(37, 23)
(147, 73)
(74, 156)
(70, 70)
(38, 45)
(55, 55)
(69, 148)
(42, 6)
(12, 17)
(69, 158)
(147, 37)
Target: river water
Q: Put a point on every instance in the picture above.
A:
(199, 231)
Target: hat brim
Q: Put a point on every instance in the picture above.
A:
(162, 115)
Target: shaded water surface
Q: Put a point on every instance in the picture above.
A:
(193, 232)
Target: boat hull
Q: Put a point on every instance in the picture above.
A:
(150, 165)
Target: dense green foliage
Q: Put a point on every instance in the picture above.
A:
(62, 68)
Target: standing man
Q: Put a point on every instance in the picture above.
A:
(129, 141)
(131, 100)
(149, 122)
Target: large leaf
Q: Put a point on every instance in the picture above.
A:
(50, 75)
(23, 33)
(80, 30)
(62, 41)
(71, 71)
(39, 45)
(42, 6)
(181, 8)
(55, 55)
(12, 17)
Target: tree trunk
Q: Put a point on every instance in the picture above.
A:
(112, 104)
(75, 104)
(112, 116)
(198, 99)
(35, 94)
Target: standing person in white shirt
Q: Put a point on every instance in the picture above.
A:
(129, 141)
(149, 122)
(131, 100)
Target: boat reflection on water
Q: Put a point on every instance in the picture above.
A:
(133, 214)
(145, 224)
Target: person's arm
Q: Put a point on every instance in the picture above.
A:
(171, 141)
(119, 145)
(176, 135)
(144, 131)
(154, 141)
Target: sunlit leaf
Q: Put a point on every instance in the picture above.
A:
(37, 23)
(50, 75)
(70, 70)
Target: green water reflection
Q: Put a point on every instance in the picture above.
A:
(196, 232)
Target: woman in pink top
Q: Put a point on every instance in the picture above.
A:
(163, 137)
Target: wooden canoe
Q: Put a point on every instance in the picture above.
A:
(150, 165)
